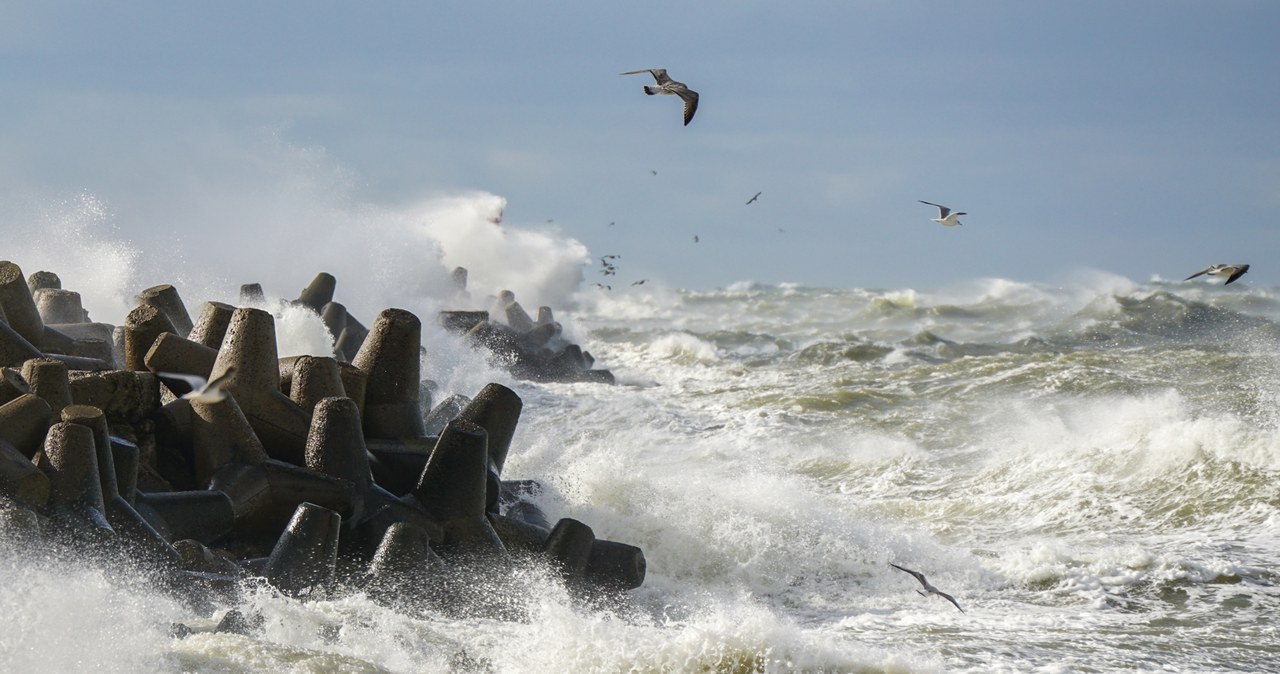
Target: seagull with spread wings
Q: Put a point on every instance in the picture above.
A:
(1231, 271)
(928, 589)
(666, 85)
(946, 216)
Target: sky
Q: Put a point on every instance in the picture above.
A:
(1136, 138)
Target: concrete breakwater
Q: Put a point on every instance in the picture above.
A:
(317, 474)
(531, 349)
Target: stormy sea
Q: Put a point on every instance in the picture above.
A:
(1091, 468)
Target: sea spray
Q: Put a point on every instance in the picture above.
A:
(1088, 466)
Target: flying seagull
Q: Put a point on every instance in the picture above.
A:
(946, 216)
(198, 390)
(928, 589)
(666, 85)
(1231, 271)
(640, 282)
(753, 199)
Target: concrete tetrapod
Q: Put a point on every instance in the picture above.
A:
(165, 298)
(71, 462)
(496, 409)
(452, 490)
(212, 324)
(336, 447)
(391, 357)
(250, 348)
(305, 557)
(24, 423)
(404, 568)
(48, 379)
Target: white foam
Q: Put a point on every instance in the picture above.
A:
(266, 211)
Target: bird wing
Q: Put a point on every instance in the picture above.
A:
(690, 99)
(212, 391)
(659, 74)
(942, 210)
(1237, 273)
(949, 598)
(181, 384)
(919, 576)
(1206, 270)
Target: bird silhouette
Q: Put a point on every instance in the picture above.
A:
(197, 389)
(928, 589)
(1231, 271)
(946, 216)
(666, 85)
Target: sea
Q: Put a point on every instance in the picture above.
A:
(1090, 467)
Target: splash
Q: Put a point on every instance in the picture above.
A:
(261, 210)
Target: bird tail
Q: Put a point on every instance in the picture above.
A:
(650, 90)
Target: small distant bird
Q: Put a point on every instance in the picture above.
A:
(611, 223)
(666, 85)
(640, 282)
(695, 238)
(928, 589)
(608, 268)
(1231, 271)
(752, 200)
(603, 286)
(198, 390)
(653, 172)
(946, 216)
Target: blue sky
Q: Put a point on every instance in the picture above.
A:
(1138, 138)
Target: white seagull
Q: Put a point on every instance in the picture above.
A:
(946, 216)
(928, 589)
(199, 390)
(666, 85)
(1231, 271)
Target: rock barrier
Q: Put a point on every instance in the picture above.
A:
(315, 474)
(534, 350)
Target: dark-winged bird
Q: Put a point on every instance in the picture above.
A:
(1231, 271)
(946, 216)
(666, 85)
(928, 589)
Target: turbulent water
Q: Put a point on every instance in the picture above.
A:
(1090, 469)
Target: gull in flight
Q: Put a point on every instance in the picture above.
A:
(752, 199)
(946, 216)
(199, 390)
(928, 589)
(666, 85)
(1231, 271)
